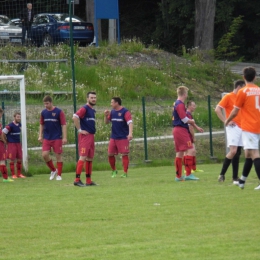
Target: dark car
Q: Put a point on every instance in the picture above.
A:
(51, 28)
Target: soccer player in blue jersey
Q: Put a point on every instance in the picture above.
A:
(84, 121)
(121, 134)
(52, 135)
(181, 134)
(3, 168)
(11, 136)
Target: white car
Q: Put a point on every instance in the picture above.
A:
(9, 33)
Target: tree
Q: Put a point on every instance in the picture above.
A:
(204, 23)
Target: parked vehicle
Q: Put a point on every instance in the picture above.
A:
(9, 33)
(17, 22)
(51, 28)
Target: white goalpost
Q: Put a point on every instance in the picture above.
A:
(20, 78)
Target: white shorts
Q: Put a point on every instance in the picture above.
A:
(250, 140)
(234, 136)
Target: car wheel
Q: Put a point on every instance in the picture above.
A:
(47, 40)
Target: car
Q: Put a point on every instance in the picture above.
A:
(51, 28)
(9, 33)
(17, 22)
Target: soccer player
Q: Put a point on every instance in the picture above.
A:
(3, 168)
(121, 134)
(191, 153)
(181, 134)
(248, 103)
(233, 131)
(84, 121)
(11, 136)
(52, 135)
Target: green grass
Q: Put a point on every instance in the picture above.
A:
(146, 216)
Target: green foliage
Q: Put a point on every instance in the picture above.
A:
(226, 47)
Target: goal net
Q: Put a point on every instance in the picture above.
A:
(5, 82)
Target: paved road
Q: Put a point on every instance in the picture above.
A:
(238, 67)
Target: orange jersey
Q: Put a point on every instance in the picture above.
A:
(227, 103)
(248, 101)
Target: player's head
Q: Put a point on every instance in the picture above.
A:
(249, 74)
(182, 92)
(47, 101)
(191, 106)
(239, 84)
(116, 102)
(92, 98)
(17, 116)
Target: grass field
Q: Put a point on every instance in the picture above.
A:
(145, 216)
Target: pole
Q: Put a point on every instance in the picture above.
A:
(210, 128)
(3, 117)
(73, 77)
(145, 136)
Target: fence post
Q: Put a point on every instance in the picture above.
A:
(145, 136)
(210, 128)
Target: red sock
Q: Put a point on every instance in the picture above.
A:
(79, 169)
(178, 166)
(18, 167)
(12, 168)
(125, 161)
(51, 165)
(194, 163)
(188, 164)
(183, 159)
(59, 167)
(112, 162)
(3, 170)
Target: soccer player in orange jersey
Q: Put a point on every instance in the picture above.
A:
(233, 131)
(248, 103)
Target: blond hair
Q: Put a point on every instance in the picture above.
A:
(182, 90)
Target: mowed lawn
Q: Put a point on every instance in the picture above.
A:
(145, 216)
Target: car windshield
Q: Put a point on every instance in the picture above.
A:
(66, 18)
(4, 20)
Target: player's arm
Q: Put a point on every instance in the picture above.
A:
(106, 116)
(5, 131)
(131, 127)
(232, 115)
(76, 121)
(63, 127)
(219, 112)
(192, 132)
(40, 138)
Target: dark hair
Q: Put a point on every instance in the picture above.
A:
(91, 92)
(189, 103)
(118, 100)
(17, 113)
(47, 99)
(239, 83)
(249, 74)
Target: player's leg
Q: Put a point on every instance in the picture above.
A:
(235, 163)
(112, 151)
(19, 157)
(11, 155)
(57, 148)
(46, 148)
(89, 160)
(123, 148)
(3, 168)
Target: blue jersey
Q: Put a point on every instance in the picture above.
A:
(178, 113)
(120, 129)
(14, 132)
(86, 115)
(52, 120)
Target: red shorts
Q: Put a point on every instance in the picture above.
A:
(2, 151)
(118, 146)
(56, 145)
(14, 151)
(87, 145)
(182, 139)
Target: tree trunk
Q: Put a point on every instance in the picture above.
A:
(90, 13)
(204, 23)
